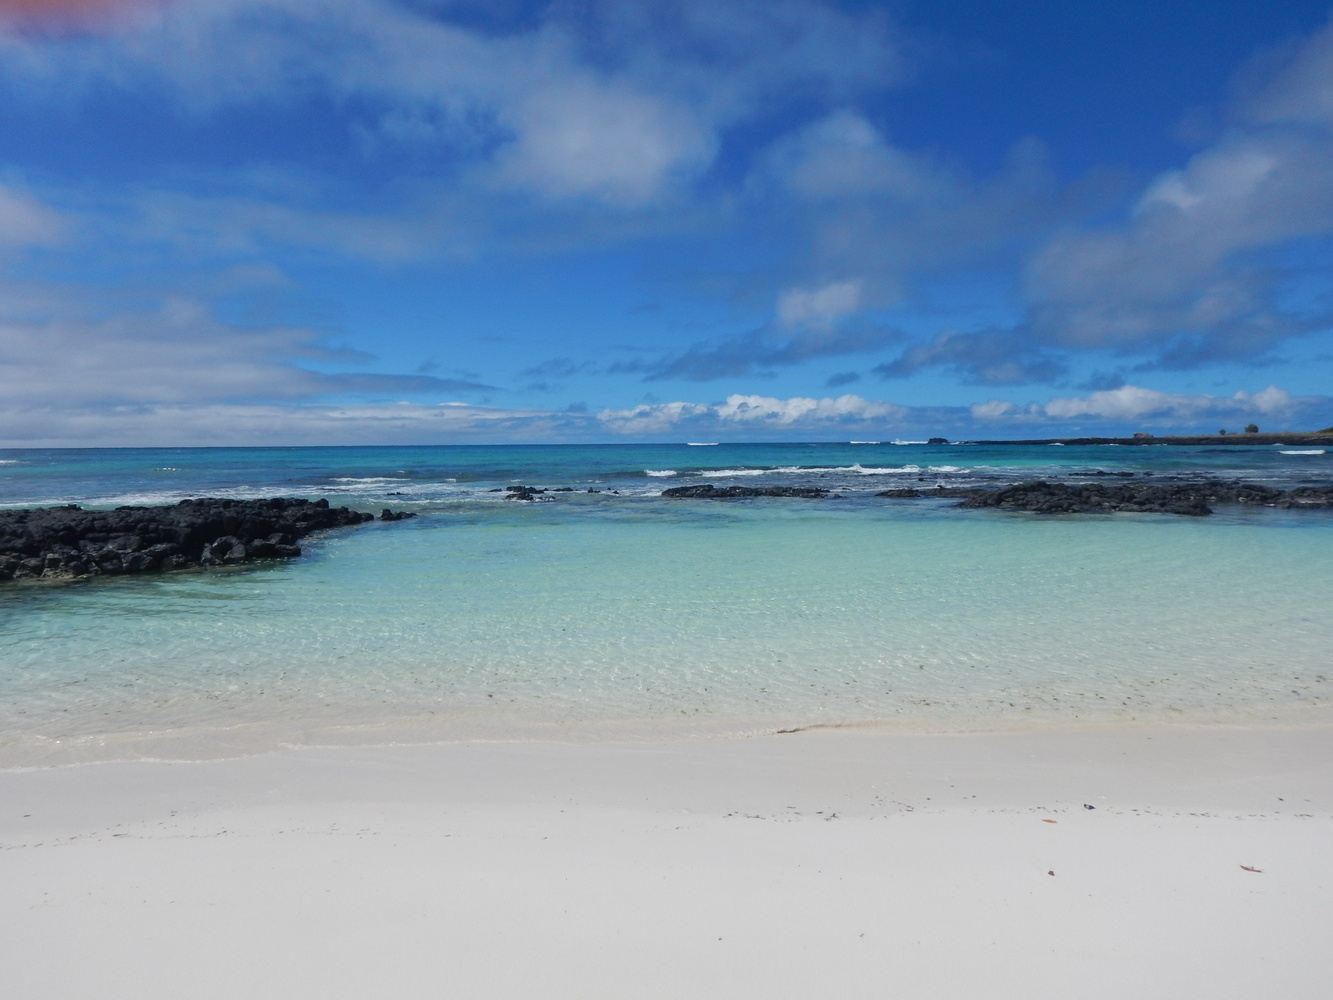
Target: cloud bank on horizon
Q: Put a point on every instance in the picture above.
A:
(309, 221)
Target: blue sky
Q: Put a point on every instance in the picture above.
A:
(307, 221)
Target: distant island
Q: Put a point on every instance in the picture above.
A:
(1321, 437)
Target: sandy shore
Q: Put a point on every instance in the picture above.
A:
(840, 864)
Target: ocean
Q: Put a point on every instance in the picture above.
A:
(621, 614)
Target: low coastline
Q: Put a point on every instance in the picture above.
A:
(1228, 440)
(1107, 863)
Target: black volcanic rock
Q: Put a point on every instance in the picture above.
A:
(1190, 498)
(69, 542)
(1308, 496)
(1081, 498)
(528, 494)
(707, 491)
(913, 493)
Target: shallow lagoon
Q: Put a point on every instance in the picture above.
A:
(598, 616)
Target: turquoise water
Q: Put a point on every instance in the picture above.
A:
(627, 614)
(438, 475)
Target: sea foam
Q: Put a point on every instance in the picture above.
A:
(817, 470)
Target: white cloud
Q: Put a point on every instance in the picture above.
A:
(178, 354)
(650, 418)
(612, 104)
(1129, 402)
(218, 424)
(587, 139)
(1174, 269)
(1269, 400)
(768, 411)
(1132, 402)
(1187, 261)
(184, 423)
(992, 409)
(25, 221)
(844, 156)
(821, 307)
(804, 410)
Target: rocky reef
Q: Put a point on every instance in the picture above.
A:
(534, 494)
(707, 491)
(1191, 499)
(64, 543)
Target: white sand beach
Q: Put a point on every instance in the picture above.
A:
(826, 863)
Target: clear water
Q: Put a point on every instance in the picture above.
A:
(628, 614)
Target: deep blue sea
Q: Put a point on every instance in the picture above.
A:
(620, 614)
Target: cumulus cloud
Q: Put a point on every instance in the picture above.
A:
(752, 417)
(992, 409)
(1131, 403)
(803, 409)
(899, 218)
(182, 354)
(650, 418)
(819, 307)
(619, 105)
(1185, 264)
(219, 424)
(750, 410)
(1190, 274)
(584, 139)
